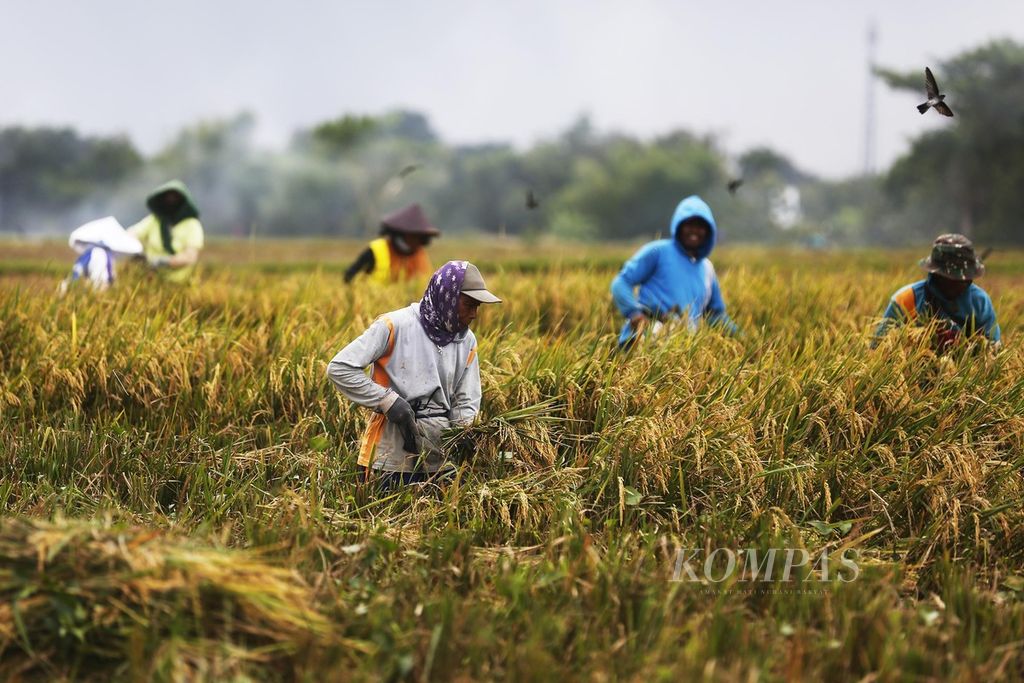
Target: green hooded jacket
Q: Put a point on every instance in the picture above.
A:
(165, 234)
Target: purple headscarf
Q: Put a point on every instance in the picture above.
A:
(439, 308)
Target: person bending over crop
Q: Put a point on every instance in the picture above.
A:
(947, 298)
(100, 244)
(676, 280)
(400, 254)
(425, 375)
(171, 234)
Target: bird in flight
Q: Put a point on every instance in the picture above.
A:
(531, 201)
(734, 185)
(935, 98)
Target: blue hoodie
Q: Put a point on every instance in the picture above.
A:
(670, 280)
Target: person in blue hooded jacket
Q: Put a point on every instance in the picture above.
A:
(672, 278)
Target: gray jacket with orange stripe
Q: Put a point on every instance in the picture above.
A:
(442, 384)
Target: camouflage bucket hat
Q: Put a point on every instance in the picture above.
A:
(953, 257)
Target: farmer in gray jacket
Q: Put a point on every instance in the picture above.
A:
(425, 375)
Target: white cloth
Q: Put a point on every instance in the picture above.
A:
(107, 233)
(95, 265)
(100, 269)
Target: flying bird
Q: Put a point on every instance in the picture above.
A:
(734, 185)
(531, 201)
(935, 98)
(395, 183)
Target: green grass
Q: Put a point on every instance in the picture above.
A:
(180, 499)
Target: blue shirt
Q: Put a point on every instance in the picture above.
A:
(971, 312)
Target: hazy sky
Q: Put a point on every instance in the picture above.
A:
(782, 73)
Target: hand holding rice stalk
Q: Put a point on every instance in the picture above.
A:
(528, 434)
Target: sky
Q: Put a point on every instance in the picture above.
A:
(791, 75)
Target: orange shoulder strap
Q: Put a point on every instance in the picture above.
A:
(375, 428)
(379, 376)
(905, 298)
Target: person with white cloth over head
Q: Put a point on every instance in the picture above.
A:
(99, 244)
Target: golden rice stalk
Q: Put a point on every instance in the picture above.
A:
(87, 586)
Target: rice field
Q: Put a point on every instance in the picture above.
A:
(180, 500)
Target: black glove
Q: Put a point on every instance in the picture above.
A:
(401, 415)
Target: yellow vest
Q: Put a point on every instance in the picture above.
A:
(381, 273)
(393, 266)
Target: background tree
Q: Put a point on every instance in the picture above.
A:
(339, 176)
(46, 172)
(967, 176)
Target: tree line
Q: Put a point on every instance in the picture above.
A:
(336, 178)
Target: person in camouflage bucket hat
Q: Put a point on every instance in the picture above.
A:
(947, 298)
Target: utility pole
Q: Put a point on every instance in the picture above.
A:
(869, 109)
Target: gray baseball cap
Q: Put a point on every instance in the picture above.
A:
(473, 286)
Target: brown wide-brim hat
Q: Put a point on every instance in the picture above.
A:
(953, 257)
(411, 220)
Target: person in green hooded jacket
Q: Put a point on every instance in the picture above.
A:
(171, 234)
